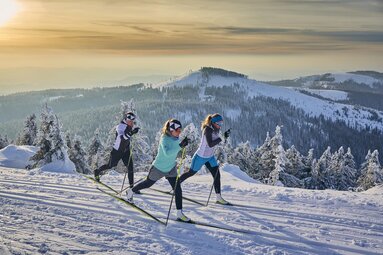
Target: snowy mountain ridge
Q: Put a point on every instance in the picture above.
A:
(357, 117)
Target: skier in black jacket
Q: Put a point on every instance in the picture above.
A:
(121, 148)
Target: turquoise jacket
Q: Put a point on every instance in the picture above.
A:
(167, 153)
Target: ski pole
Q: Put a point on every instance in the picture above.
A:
(130, 156)
(175, 185)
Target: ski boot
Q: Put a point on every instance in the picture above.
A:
(221, 201)
(129, 196)
(182, 217)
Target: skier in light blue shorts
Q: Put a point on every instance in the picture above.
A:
(205, 153)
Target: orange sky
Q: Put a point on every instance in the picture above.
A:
(269, 39)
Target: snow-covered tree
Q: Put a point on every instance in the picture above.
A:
(224, 151)
(334, 169)
(28, 135)
(266, 159)
(373, 172)
(295, 165)
(347, 172)
(3, 142)
(243, 156)
(78, 156)
(97, 156)
(279, 167)
(49, 140)
(320, 171)
(308, 163)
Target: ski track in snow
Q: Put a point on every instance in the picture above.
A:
(49, 213)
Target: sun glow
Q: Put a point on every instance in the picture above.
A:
(8, 9)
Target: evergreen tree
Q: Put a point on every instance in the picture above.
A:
(78, 156)
(266, 159)
(295, 165)
(280, 165)
(224, 151)
(49, 140)
(320, 171)
(28, 136)
(3, 142)
(96, 152)
(243, 157)
(68, 141)
(346, 175)
(373, 174)
(308, 162)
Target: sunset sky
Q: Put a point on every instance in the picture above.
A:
(83, 43)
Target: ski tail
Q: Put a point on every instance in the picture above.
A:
(101, 183)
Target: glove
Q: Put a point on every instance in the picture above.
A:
(227, 134)
(134, 131)
(184, 142)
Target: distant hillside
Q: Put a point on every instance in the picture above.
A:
(364, 88)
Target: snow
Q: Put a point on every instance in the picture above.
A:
(59, 213)
(50, 99)
(361, 79)
(18, 157)
(355, 117)
(335, 95)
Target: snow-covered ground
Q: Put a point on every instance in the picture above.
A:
(335, 95)
(61, 213)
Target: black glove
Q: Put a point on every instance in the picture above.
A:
(134, 131)
(184, 142)
(227, 134)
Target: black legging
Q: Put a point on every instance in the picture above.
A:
(212, 170)
(172, 180)
(116, 156)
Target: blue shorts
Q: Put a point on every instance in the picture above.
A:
(198, 162)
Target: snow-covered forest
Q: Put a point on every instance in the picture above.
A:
(269, 163)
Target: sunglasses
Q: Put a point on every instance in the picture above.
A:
(219, 123)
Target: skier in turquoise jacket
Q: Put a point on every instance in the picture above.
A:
(205, 153)
(165, 165)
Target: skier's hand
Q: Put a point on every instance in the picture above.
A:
(227, 134)
(184, 142)
(134, 131)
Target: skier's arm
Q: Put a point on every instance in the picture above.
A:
(209, 138)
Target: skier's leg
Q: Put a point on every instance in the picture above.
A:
(186, 175)
(216, 175)
(197, 163)
(143, 185)
(113, 161)
(178, 191)
(128, 162)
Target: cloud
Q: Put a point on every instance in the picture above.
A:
(345, 35)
